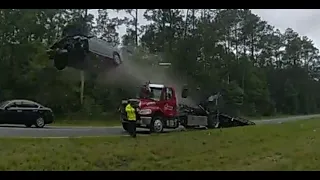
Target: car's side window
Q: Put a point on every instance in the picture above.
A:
(28, 105)
(12, 105)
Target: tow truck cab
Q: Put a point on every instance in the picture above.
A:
(162, 102)
(157, 106)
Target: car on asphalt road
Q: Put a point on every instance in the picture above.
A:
(26, 112)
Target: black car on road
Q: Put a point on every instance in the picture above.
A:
(25, 112)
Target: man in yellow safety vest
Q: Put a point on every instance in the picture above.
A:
(131, 117)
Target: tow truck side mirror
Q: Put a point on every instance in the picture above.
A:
(185, 93)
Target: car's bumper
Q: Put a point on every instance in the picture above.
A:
(50, 119)
(144, 121)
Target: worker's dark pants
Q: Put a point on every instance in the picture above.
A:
(132, 129)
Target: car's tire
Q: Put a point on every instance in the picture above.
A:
(156, 125)
(116, 59)
(28, 125)
(40, 122)
(61, 60)
(59, 64)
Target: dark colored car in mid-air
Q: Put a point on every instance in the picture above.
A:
(25, 112)
(77, 49)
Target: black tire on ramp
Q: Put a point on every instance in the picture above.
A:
(213, 122)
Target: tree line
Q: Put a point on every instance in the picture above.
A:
(261, 70)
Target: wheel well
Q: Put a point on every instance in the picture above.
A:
(117, 54)
(158, 113)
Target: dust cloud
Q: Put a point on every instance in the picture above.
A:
(135, 74)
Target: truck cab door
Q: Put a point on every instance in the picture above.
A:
(170, 103)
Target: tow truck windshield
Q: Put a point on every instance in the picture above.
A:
(153, 93)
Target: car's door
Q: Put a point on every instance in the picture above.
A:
(30, 112)
(2, 116)
(2, 111)
(100, 47)
(12, 113)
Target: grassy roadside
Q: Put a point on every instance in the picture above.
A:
(289, 146)
(256, 118)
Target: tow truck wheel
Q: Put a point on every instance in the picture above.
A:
(156, 125)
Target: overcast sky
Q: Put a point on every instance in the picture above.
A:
(303, 21)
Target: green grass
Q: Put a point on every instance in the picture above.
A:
(256, 118)
(75, 122)
(289, 146)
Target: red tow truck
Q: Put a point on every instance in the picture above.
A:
(158, 108)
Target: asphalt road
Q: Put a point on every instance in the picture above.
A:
(55, 131)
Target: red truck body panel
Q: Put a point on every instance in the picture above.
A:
(167, 103)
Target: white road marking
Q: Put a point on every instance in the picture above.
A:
(83, 127)
(46, 129)
(70, 137)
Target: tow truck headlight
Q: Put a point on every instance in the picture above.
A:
(145, 111)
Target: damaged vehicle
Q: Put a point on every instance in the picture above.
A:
(79, 50)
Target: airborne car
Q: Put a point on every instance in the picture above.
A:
(81, 51)
(25, 112)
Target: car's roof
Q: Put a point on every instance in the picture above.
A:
(26, 100)
(20, 100)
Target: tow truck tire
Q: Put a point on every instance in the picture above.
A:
(125, 126)
(156, 125)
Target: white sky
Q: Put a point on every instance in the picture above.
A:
(303, 21)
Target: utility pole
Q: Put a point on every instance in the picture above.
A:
(136, 27)
(82, 75)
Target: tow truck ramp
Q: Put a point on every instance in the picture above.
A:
(228, 121)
